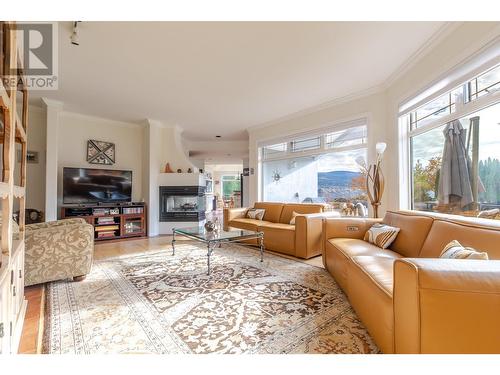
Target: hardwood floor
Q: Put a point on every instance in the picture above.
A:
(31, 339)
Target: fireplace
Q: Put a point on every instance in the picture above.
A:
(182, 203)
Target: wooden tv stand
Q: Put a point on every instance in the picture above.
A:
(111, 221)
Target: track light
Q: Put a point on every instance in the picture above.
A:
(75, 39)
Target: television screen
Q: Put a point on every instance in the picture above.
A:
(83, 185)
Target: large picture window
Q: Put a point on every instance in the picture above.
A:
(324, 169)
(455, 152)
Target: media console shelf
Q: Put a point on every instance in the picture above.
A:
(111, 221)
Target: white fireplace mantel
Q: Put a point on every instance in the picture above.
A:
(181, 179)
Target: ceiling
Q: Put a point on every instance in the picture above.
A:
(219, 78)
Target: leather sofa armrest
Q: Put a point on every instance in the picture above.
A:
(446, 306)
(308, 229)
(229, 214)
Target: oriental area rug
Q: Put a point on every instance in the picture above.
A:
(158, 303)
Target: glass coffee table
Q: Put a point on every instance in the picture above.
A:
(217, 238)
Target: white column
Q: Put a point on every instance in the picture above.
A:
(153, 167)
(246, 185)
(52, 110)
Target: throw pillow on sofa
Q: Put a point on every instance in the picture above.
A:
(454, 250)
(294, 215)
(256, 213)
(381, 235)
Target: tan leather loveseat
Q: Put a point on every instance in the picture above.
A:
(302, 240)
(410, 300)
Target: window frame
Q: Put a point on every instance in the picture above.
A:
(289, 153)
(322, 150)
(468, 107)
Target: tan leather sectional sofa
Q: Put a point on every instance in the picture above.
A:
(410, 301)
(302, 240)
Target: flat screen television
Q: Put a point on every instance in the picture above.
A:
(85, 185)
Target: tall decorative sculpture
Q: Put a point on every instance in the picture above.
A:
(374, 178)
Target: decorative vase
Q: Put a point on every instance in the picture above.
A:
(209, 226)
(168, 169)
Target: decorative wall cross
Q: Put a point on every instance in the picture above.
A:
(99, 152)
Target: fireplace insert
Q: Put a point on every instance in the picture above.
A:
(182, 203)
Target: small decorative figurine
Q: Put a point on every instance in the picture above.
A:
(190, 170)
(179, 170)
(168, 169)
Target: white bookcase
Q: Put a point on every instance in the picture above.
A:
(13, 126)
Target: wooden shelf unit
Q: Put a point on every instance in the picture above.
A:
(120, 225)
(13, 132)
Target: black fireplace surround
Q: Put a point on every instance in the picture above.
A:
(182, 203)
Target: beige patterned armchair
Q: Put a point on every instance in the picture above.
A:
(58, 250)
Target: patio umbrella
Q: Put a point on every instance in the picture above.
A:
(455, 177)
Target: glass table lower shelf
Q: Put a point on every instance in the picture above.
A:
(217, 238)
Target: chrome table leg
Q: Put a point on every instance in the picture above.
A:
(210, 248)
(173, 241)
(261, 245)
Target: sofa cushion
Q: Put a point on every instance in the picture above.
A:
(279, 237)
(351, 247)
(246, 223)
(339, 251)
(379, 269)
(273, 210)
(481, 234)
(413, 232)
(300, 208)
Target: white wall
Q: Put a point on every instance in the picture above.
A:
(35, 172)
(161, 144)
(174, 151)
(76, 129)
(298, 181)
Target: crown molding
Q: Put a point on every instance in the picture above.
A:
(52, 103)
(101, 119)
(467, 55)
(326, 105)
(444, 31)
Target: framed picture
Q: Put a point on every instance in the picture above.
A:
(100, 152)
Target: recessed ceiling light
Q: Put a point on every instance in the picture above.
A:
(217, 136)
